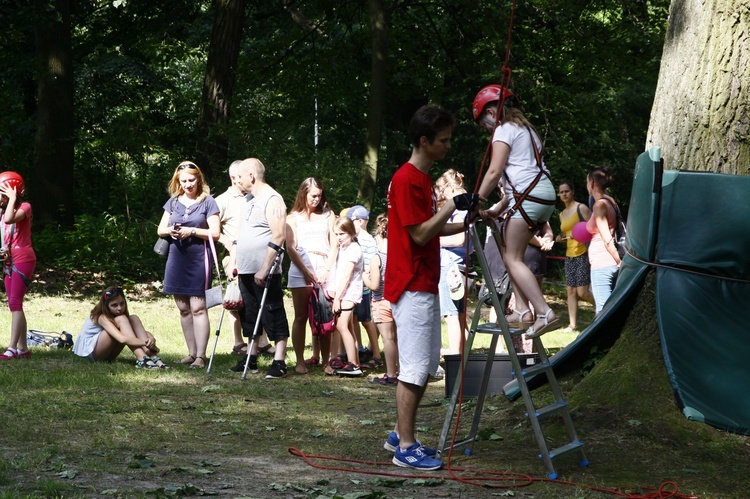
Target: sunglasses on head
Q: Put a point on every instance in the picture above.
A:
(184, 166)
(112, 293)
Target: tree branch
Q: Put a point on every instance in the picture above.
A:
(300, 18)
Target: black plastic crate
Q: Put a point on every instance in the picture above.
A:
(502, 372)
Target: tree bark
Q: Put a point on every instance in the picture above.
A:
(52, 188)
(701, 112)
(700, 120)
(218, 85)
(379, 28)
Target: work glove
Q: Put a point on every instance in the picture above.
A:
(466, 202)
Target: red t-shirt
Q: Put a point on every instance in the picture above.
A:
(411, 201)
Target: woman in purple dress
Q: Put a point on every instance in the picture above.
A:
(190, 217)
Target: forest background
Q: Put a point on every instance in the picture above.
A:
(102, 99)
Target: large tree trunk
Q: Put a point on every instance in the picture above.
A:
(701, 121)
(379, 28)
(218, 84)
(52, 186)
(701, 112)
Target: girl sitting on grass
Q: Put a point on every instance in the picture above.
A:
(110, 328)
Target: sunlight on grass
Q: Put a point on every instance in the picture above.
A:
(95, 418)
(160, 316)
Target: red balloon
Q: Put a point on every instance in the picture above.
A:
(581, 233)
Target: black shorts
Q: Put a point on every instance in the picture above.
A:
(273, 319)
(362, 309)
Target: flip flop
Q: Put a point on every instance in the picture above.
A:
(546, 327)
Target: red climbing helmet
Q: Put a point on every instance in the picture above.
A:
(13, 179)
(488, 94)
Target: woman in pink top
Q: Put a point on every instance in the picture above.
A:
(603, 256)
(19, 256)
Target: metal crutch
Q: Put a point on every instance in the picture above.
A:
(218, 329)
(274, 266)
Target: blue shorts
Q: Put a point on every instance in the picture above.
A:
(447, 305)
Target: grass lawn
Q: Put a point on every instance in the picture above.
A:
(73, 428)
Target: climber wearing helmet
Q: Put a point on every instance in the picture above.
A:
(517, 169)
(19, 258)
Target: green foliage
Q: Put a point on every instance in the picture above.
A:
(108, 246)
(585, 73)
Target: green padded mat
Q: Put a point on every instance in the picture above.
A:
(695, 228)
(702, 289)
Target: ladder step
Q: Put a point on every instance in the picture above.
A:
(494, 328)
(539, 368)
(549, 410)
(565, 449)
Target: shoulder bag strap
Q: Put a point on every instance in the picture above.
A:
(578, 210)
(10, 268)
(618, 215)
(207, 263)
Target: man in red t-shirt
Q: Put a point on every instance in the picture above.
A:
(412, 274)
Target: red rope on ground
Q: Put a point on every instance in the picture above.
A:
(483, 478)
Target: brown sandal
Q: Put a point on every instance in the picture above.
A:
(240, 349)
(198, 366)
(268, 349)
(187, 360)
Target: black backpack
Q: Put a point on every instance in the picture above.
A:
(621, 231)
(320, 313)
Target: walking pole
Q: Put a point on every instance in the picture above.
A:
(274, 266)
(218, 329)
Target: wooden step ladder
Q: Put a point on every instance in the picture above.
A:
(498, 293)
